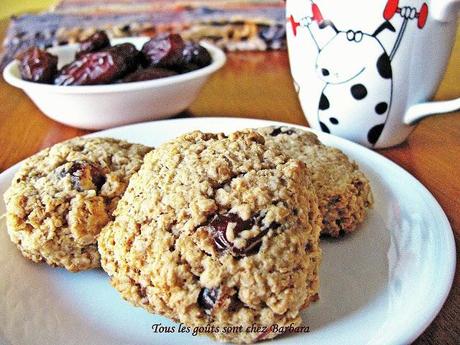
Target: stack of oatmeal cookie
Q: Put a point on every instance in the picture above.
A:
(214, 231)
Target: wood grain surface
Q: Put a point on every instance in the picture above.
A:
(258, 85)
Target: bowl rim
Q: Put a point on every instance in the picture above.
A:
(218, 60)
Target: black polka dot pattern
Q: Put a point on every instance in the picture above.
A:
(384, 66)
(334, 121)
(324, 128)
(358, 91)
(381, 108)
(324, 102)
(374, 133)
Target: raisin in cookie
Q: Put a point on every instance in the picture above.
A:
(217, 231)
(62, 196)
(344, 193)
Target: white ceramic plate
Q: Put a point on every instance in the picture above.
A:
(382, 285)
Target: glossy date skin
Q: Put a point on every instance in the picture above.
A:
(164, 51)
(194, 57)
(37, 65)
(96, 42)
(101, 67)
(170, 51)
(150, 73)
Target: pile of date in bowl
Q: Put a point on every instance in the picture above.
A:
(97, 62)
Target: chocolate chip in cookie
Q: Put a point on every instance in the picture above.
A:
(279, 130)
(85, 175)
(208, 298)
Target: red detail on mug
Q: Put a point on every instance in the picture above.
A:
(317, 16)
(294, 25)
(422, 16)
(390, 9)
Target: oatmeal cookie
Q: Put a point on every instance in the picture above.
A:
(344, 193)
(62, 196)
(220, 232)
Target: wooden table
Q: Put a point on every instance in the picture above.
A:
(258, 85)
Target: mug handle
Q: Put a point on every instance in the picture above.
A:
(444, 11)
(422, 110)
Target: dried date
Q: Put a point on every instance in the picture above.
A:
(149, 73)
(164, 51)
(37, 65)
(100, 68)
(194, 57)
(96, 42)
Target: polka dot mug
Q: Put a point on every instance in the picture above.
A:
(366, 70)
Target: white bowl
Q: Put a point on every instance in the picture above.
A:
(105, 106)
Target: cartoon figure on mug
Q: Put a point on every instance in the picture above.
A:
(356, 70)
